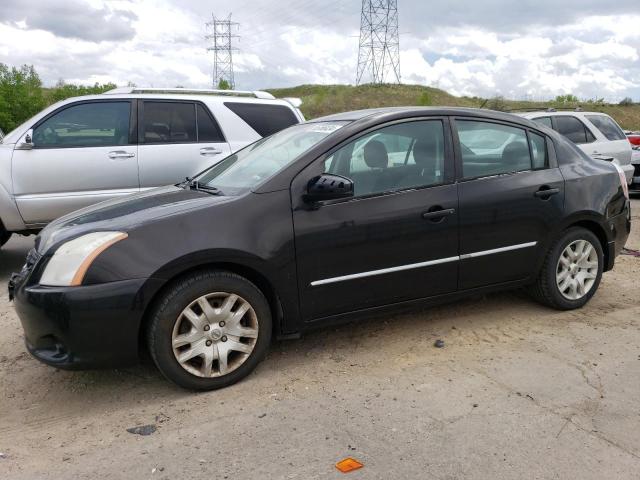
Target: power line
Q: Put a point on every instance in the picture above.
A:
(379, 48)
(221, 44)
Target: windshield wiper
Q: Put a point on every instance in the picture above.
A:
(196, 185)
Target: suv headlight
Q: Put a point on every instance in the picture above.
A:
(71, 261)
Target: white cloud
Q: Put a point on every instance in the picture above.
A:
(591, 51)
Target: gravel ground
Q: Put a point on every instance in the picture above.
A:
(518, 391)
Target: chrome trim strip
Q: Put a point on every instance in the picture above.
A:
(383, 271)
(497, 250)
(429, 263)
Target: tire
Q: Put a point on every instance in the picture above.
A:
(4, 235)
(548, 288)
(182, 326)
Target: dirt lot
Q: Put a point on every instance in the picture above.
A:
(518, 391)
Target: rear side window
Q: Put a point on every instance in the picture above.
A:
(169, 122)
(492, 149)
(607, 126)
(208, 130)
(263, 118)
(546, 121)
(97, 124)
(573, 129)
(538, 151)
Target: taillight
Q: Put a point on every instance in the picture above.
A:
(623, 180)
(634, 139)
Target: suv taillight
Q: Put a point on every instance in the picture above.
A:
(634, 139)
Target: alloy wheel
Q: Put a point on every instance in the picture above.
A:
(215, 334)
(577, 269)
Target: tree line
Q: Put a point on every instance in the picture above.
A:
(22, 94)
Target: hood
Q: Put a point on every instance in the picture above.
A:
(125, 214)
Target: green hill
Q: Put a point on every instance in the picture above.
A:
(319, 100)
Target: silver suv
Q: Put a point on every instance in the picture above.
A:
(88, 149)
(595, 133)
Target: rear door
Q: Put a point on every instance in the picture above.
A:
(83, 153)
(177, 139)
(613, 140)
(511, 197)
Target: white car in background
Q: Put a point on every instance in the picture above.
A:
(595, 133)
(85, 150)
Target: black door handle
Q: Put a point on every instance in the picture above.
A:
(439, 214)
(545, 193)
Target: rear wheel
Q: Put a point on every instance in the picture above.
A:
(571, 272)
(210, 330)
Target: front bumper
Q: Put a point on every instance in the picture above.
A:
(93, 326)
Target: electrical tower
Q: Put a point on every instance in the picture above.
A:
(220, 37)
(379, 51)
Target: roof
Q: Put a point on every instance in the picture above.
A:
(551, 113)
(373, 113)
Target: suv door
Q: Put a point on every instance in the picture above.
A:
(83, 153)
(396, 239)
(511, 197)
(177, 139)
(613, 141)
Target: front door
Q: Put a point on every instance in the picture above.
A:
(82, 154)
(178, 139)
(511, 198)
(396, 240)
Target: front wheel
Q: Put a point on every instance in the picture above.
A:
(571, 272)
(209, 330)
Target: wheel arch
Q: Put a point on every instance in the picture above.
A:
(595, 226)
(258, 278)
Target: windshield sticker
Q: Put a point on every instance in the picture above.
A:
(326, 127)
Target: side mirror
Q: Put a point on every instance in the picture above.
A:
(26, 143)
(328, 187)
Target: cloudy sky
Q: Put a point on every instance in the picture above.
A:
(519, 49)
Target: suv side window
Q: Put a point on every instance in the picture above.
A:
(263, 118)
(169, 122)
(97, 124)
(573, 129)
(403, 156)
(208, 129)
(607, 126)
(493, 149)
(546, 121)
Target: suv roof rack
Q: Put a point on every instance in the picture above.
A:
(547, 109)
(196, 91)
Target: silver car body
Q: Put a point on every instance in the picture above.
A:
(38, 185)
(599, 145)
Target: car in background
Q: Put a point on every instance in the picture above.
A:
(634, 140)
(1, 135)
(89, 149)
(328, 221)
(595, 133)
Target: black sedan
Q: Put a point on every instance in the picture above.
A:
(327, 221)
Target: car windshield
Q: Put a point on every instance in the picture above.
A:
(260, 161)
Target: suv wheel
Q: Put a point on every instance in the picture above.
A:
(4, 235)
(209, 330)
(571, 272)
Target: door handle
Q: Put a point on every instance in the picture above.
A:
(545, 192)
(437, 214)
(120, 154)
(210, 151)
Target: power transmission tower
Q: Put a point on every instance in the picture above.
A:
(220, 39)
(379, 51)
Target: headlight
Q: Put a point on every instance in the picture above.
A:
(71, 261)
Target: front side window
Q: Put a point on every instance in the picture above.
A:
(169, 122)
(262, 160)
(607, 126)
(573, 129)
(397, 157)
(96, 124)
(492, 149)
